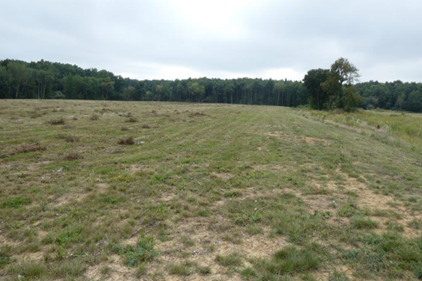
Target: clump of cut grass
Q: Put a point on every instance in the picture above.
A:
(132, 120)
(59, 121)
(28, 147)
(197, 114)
(128, 114)
(69, 138)
(94, 117)
(37, 114)
(126, 141)
(232, 193)
(71, 156)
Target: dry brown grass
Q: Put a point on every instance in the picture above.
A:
(126, 141)
(94, 117)
(132, 120)
(59, 121)
(72, 156)
(69, 138)
(28, 147)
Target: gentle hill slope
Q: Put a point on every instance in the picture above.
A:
(167, 191)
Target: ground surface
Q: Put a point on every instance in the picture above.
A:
(161, 191)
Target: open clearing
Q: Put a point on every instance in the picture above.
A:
(93, 190)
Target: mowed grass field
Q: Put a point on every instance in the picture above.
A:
(95, 190)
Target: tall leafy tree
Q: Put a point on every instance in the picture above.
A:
(19, 75)
(313, 81)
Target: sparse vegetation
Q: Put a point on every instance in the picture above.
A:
(244, 192)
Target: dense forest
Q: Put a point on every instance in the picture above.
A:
(48, 80)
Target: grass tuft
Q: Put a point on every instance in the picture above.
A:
(126, 141)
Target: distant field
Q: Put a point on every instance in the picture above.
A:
(95, 190)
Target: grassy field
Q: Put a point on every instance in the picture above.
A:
(94, 190)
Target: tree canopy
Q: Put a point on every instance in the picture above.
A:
(321, 88)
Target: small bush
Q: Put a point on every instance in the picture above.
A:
(59, 121)
(126, 141)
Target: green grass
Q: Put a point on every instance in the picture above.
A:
(230, 260)
(168, 190)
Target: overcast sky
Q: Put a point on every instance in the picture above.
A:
(171, 39)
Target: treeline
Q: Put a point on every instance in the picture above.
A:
(48, 80)
(395, 95)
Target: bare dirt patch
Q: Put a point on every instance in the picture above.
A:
(207, 244)
(116, 272)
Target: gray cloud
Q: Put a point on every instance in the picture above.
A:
(178, 39)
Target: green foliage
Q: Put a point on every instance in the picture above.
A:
(231, 260)
(336, 276)
(318, 97)
(363, 223)
(182, 269)
(15, 202)
(290, 260)
(5, 253)
(142, 252)
(30, 270)
(47, 80)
